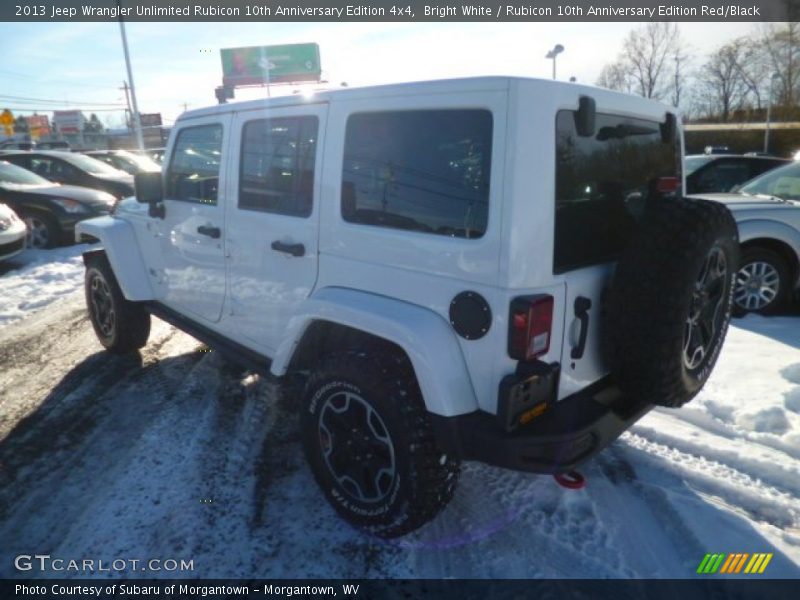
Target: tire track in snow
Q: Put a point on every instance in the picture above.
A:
(738, 490)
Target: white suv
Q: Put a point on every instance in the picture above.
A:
(433, 261)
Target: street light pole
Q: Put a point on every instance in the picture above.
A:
(137, 124)
(552, 54)
(769, 111)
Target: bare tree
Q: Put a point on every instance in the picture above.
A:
(721, 80)
(615, 77)
(754, 68)
(781, 44)
(646, 54)
(651, 64)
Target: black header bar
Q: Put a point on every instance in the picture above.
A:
(400, 10)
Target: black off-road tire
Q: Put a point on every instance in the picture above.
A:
(424, 477)
(655, 294)
(776, 261)
(129, 327)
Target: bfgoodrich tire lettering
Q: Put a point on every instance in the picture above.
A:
(370, 445)
(121, 326)
(670, 301)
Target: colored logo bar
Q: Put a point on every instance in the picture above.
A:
(733, 563)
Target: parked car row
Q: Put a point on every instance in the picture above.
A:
(71, 168)
(50, 210)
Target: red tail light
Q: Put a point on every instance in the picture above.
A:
(667, 185)
(530, 326)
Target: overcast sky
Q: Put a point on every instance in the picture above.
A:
(177, 63)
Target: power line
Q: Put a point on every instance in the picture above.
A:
(89, 109)
(25, 99)
(48, 81)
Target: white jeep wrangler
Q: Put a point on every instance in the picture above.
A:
(480, 269)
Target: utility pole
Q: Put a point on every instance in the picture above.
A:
(129, 116)
(137, 124)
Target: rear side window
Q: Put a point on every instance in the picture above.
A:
(602, 185)
(423, 170)
(193, 173)
(277, 166)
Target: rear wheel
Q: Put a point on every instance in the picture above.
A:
(43, 231)
(762, 282)
(370, 444)
(121, 326)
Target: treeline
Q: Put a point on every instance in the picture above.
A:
(736, 82)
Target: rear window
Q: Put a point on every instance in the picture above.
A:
(602, 185)
(422, 170)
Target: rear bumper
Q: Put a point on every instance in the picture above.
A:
(566, 435)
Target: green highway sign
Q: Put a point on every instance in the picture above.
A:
(255, 65)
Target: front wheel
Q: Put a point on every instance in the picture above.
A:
(121, 326)
(371, 447)
(762, 282)
(43, 231)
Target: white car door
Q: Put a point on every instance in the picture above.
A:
(192, 234)
(272, 219)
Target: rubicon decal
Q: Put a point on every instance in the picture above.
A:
(742, 562)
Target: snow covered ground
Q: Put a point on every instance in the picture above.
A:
(177, 455)
(35, 278)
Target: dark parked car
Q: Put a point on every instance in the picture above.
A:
(125, 161)
(712, 173)
(74, 169)
(50, 210)
(57, 145)
(15, 145)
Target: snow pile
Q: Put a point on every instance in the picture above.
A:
(36, 278)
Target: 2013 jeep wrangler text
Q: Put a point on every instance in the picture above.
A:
(479, 269)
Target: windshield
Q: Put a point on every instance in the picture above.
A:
(692, 163)
(144, 163)
(17, 175)
(91, 165)
(783, 182)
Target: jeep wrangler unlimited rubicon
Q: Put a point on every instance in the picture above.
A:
(480, 269)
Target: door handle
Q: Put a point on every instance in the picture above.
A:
(582, 306)
(286, 248)
(212, 232)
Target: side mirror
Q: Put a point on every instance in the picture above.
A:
(669, 128)
(150, 190)
(585, 117)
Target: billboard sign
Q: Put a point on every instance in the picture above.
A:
(68, 121)
(150, 119)
(38, 126)
(254, 65)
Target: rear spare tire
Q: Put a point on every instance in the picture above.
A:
(670, 300)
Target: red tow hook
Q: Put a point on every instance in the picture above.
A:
(572, 480)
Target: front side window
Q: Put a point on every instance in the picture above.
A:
(277, 165)
(193, 173)
(421, 170)
(603, 183)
